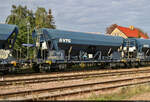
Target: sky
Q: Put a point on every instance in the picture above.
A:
(88, 15)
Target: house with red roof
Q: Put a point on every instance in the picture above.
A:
(130, 32)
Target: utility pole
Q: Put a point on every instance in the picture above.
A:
(28, 30)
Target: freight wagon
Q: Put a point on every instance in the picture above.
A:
(8, 35)
(59, 48)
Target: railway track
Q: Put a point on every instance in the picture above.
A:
(64, 72)
(68, 77)
(64, 91)
(60, 72)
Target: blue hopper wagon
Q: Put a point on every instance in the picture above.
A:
(8, 35)
(59, 46)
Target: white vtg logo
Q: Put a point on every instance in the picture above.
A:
(62, 40)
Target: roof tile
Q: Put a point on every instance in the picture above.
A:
(131, 33)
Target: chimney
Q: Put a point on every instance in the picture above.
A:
(131, 27)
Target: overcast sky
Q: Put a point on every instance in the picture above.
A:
(88, 15)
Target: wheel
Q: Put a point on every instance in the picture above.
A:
(5, 72)
(62, 66)
(35, 67)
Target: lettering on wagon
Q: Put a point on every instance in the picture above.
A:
(62, 40)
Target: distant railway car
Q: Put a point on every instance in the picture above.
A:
(8, 34)
(142, 46)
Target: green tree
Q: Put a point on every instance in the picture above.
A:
(44, 19)
(21, 16)
(141, 31)
(111, 28)
(139, 35)
(146, 35)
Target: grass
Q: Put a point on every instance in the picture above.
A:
(124, 93)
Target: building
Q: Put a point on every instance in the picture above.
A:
(130, 32)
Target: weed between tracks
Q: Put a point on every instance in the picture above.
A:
(123, 93)
(88, 78)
